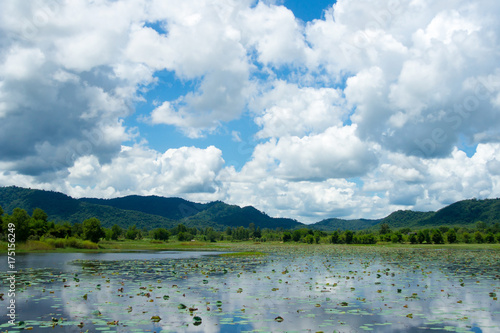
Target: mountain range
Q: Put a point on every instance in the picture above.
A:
(154, 211)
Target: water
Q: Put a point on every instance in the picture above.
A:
(343, 289)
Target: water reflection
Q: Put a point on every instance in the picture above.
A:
(344, 290)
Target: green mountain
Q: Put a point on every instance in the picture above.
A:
(340, 224)
(149, 212)
(235, 216)
(171, 208)
(461, 213)
(153, 212)
(60, 207)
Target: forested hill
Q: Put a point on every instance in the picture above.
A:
(461, 213)
(142, 211)
(153, 212)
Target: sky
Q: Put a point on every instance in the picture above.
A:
(307, 110)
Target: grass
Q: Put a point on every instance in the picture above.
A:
(248, 248)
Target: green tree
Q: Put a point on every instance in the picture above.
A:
(132, 232)
(61, 230)
(451, 236)
(335, 237)
(413, 238)
(257, 233)
(478, 237)
(296, 235)
(161, 234)
(1, 220)
(490, 238)
(92, 230)
(437, 237)
(466, 237)
(20, 219)
(77, 230)
(481, 226)
(397, 237)
(348, 234)
(420, 237)
(384, 229)
(287, 236)
(38, 228)
(309, 239)
(116, 232)
(39, 214)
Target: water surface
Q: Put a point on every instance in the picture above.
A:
(343, 289)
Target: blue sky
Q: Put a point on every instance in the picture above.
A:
(169, 87)
(308, 110)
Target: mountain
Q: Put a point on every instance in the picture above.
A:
(60, 207)
(235, 216)
(153, 212)
(171, 208)
(461, 213)
(339, 224)
(143, 211)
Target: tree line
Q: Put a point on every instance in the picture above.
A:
(37, 227)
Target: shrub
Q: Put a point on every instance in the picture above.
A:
(287, 236)
(437, 237)
(33, 245)
(478, 237)
(309, 239)
(451, 236)
(466, 237)
(490, 238)
(413, 238)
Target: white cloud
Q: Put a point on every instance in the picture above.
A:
(275, 33)
(288, 109)
(381, 93)
(177, 172)
(335, 153)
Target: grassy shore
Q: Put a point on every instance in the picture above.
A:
(248, 247)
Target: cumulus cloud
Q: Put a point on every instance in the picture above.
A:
(410, 67)
(335, 153)
(359, 113)
(288, 109)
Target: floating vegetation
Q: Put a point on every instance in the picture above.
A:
(301, 289)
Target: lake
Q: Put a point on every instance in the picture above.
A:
(293, 289)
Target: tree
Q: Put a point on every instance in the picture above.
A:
(77, 230)
(467, 237)
(451, 236)
(437, 237)
(20, 219)
(257, 233)
(161, 234)
(309, 239)
(490, 238)
(413, 238)
(478, 237)
(1, 220)
(132, 232)
(384, 229)
(296, 235)
(116, 232)
(348, 236)
(335, 237)
(420, 237)
(480, 226)
(92, 230)
(287, 236)
(39, 214)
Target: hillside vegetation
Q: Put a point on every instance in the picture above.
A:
(158, 212)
